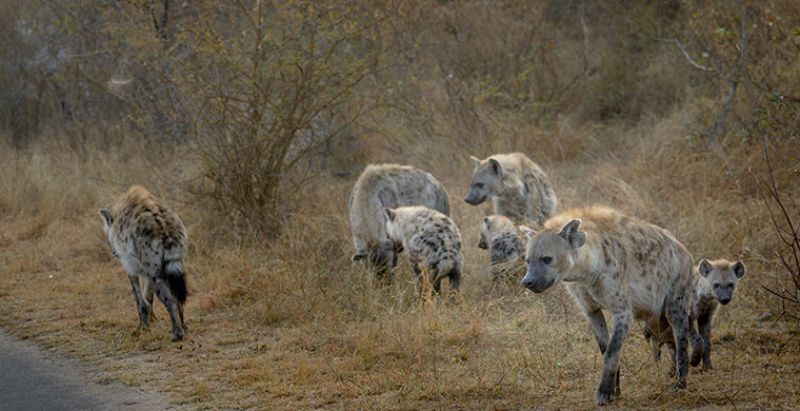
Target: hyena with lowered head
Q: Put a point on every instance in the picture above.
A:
(149, 240)
(617, 263)
(431, 239)
(716, 283)
(518, 188)
(388, 186)
(499, 236)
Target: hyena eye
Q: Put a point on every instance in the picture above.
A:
(478, 185)
(716, 285)
(546, 260)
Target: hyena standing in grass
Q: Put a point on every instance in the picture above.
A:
(431, 239)
(149, 240)
(518, 188)
(716, 283)
(499, 236)
(388, 186)
(617, 263)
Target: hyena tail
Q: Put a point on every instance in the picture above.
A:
(444, 268)
(176, 279)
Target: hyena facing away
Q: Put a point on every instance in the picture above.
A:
(518, 188)
(716, 283)
(499, 236)
(620, 264)
(388, 185)
(149, 240)
(431, 239)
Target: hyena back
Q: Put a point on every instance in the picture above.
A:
(149, 240)
(388, 185)
(617, 263)
(517, 186)
(431, 240)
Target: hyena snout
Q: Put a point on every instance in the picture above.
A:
(475, 197)
(537, 284)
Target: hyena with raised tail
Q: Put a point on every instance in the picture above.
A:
(613, 262)
(432, 241)
(517, 186)
(388, 186)
(149, 240)
(499, 235)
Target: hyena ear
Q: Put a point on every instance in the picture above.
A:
(106, 216)
(495, 167)
(389, 213)
(704, 267)
(738, 269)
(527, 231)
(570, 232)
(475, 160)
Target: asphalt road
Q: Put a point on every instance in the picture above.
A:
(33, 379)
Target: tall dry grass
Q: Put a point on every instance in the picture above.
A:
(291, 323)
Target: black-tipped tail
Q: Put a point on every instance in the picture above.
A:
(176, 279)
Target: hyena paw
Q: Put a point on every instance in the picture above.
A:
(604, 398)
(707, 367)
(696, 356)
(679, 386)
(177, 335)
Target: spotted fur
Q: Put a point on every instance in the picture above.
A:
(518, 188)
(149, 240)
(506, 249)
(617, 263)
(388, 185)
(432, 241)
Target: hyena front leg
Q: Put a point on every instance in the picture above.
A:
(679, 317)
(141, 308)
(594, 314)
(149, 290)
(166, 297)
(609, 383)
(698, 346)
(704, 323)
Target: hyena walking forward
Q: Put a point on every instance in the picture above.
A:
(715, 286)
(617, 263)
(716, 283)
(431, 239)
(150, 241)
(518, 188)
(499, 236)
(388, 185)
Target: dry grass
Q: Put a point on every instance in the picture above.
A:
(293, 325)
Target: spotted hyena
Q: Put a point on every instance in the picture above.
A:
(613, 262)
(388, 186)
(499, 236)
(149, 240)
(518, 188)
(716, 283)
(431, 239)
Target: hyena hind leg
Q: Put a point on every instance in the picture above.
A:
(149, 290)
(141, 305)
(171, 304)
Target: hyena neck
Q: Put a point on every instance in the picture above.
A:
(586, 266)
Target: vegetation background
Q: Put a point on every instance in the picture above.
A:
(253, 119)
